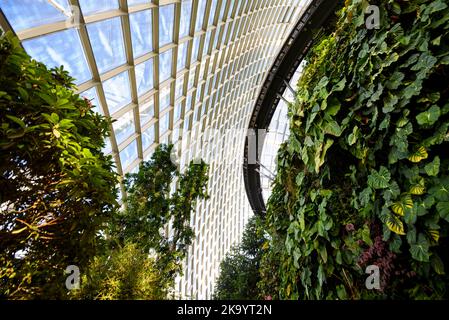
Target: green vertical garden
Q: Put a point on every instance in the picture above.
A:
(364, 179)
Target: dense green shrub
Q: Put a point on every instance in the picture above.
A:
(124, 273)
(363, 179)
(56, 185)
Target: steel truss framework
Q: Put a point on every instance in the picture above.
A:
(286, 64)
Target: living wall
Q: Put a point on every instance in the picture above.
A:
(363, 179)
(56, 185)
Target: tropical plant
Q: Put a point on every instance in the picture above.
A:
(56, 185)
(239, 270)
(363, 178)
(154, 226)
(125, 273)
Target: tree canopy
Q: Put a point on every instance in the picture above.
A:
(239, 270)
(56, 185)
(152, 232)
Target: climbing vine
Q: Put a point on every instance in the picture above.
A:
(363, 178)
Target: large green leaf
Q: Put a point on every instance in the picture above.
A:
(390, 102)
(441, 190)
(420, 250)
(429, 117)
(340, 85)
(395, 80)
(443, 210)
(433, 168)
(379, 179)
(333, 128)
(437, 264)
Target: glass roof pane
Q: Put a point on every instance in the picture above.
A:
(231, 8)
(207, 43)
(198, 94)
(186, 13)
(222, 9)
(239, 7)
(128, 155)
(175, 135)
(179, 87)
(107, 43)
(141, 32)
(200, 15)
(182, 55)
(204, 108)
(134, 2)
(177, 112)
(164, 123)
(91, 94)
(186, 122)
(108, 147)
(195, 50)
(213, 8)
(146, 111)
(164, 98)
(147, 138)
(165, 60)
(166, 18)
(144, 77)
(89, 7)
(164, 140)
(24, 14)
(117, 91)
(195, 113)
(223, 37)
(124, 127)
(61, 48)
(188, 102)
(217, 35)
(191, 79)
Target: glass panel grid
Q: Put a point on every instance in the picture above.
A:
(166, 22)
(61, 48)
(25, 14)
(117, 91)
(141, 32)
(107, 43)
(91, 7)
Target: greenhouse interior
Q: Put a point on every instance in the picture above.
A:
(224, 150)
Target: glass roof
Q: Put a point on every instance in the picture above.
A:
(61, 48)
(89, 7)
(107, 43)
(166, 21)
(141, 32)
(25, 14)
(169, 71)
